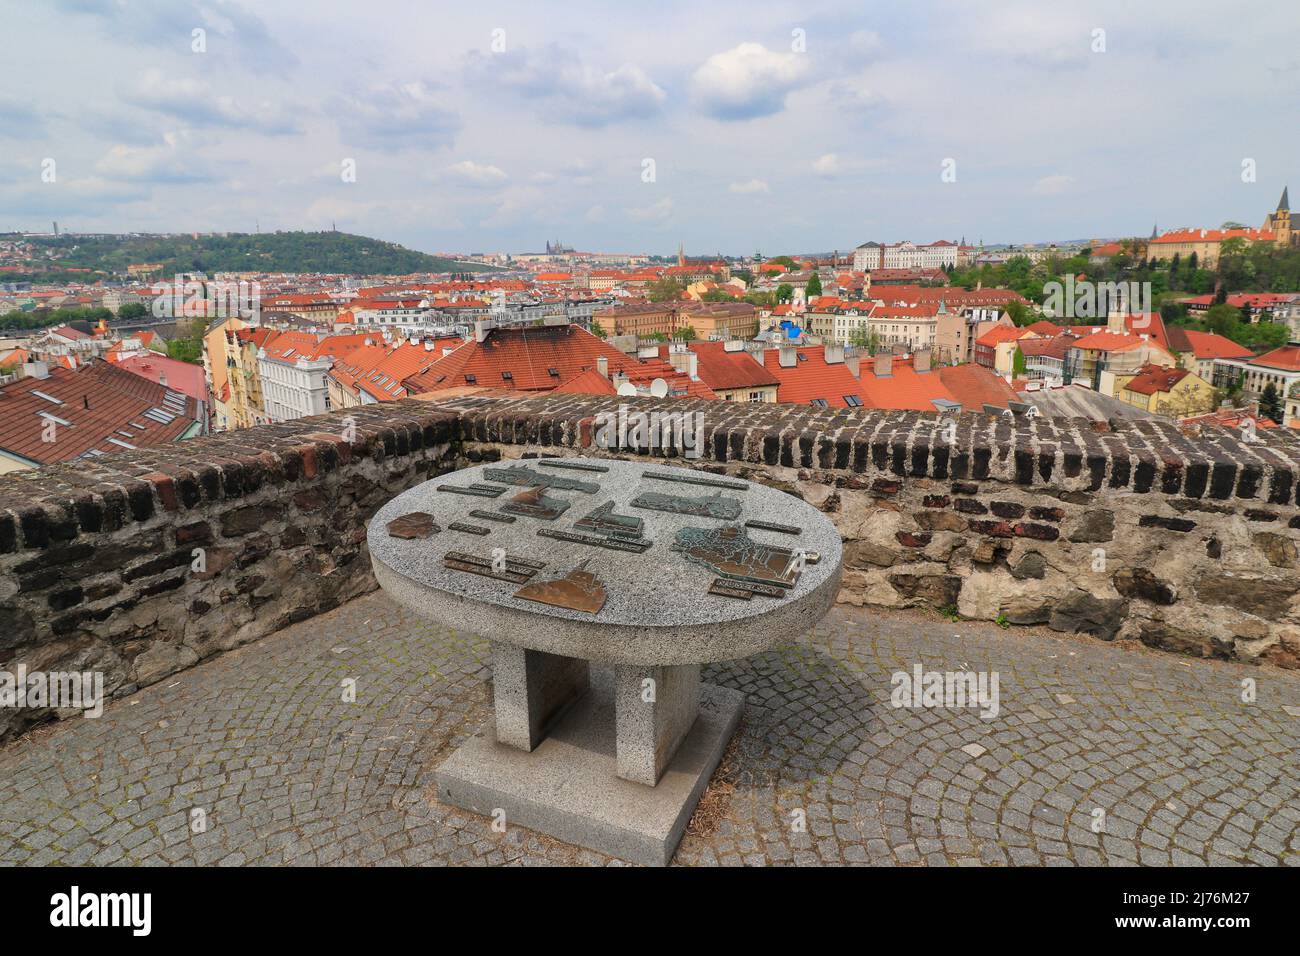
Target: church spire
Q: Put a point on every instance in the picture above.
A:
(1282, 204)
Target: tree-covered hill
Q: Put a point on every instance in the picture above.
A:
(241, 252)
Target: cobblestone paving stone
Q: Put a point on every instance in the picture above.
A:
(286, 772)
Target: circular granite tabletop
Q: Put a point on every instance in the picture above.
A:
(656, 607)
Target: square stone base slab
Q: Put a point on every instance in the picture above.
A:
(568, 787)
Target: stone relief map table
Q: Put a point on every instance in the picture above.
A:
(646, 571)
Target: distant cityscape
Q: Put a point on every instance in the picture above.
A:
(1164, 325)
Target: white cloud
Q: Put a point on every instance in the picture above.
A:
(750, 186)
(866, 43)
(165, 163)
(476, 174)
(573, 90)
(827, 165)
(747, 81)
(1053, 185)
(398, 116)
(655, 212)
(194, 102)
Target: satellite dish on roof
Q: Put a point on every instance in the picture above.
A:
(627, 388)
(659, 388)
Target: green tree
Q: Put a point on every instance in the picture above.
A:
(814, 286)
(685, 334)
(784, 292)
(1270, 403)
(1018, 363)
(865, 338)
(132, 310)
(598, 330)
(664, 290)
(1223, 319)
(1020, 313)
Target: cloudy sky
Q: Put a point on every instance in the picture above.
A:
(779, 127)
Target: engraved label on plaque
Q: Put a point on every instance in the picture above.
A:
(773, 526)
(417, 524)
(690, 479)
(514, 475)
(468, 528)
(609, 542)
(730, 552)
(752, 587)
(575, 465)
(491, 516)
(708, 506)
(534, 503)
(729, 589)
(517, 570)
(579, 590)
(477, 489)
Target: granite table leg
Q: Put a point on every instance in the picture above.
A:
(531, 691)
(654, 710)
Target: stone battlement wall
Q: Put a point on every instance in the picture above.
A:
(1127, 532)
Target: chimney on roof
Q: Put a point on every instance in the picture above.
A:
(602, 366)
(884, 364)
(428, 345)
(481, 329)
(833, 354)
(921, 360)
(85, 401)
(733, 345)
(854, 364)
(789, 356)
(685, 362)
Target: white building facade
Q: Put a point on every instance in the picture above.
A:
(293, 387)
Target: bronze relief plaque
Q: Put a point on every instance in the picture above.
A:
(605, 521)
(535, 503)
(515, 475)
(730, 552)
(579, 590)
(417, 524)
(707, 506)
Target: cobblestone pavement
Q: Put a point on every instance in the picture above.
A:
(260, 740)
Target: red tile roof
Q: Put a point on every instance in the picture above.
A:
(1213, 235)
(721, 369)
(184, 377)
(118, 405)
(999, 334)
(1287, 358)
(976, 386)
(589, 382)
(1151, 379)
(541, 359)
(379, 369)
(1211, 345)
(1107, 341)
(811, 378)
